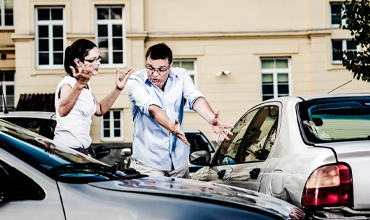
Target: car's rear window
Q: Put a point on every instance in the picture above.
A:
(336, 119)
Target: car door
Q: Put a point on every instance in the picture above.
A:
(26, 193)
(246, 153)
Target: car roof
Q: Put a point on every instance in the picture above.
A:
(337, 95)
(317, 96)
(191, 131)
(28, 114)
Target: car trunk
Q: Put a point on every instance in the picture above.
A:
(357, 155)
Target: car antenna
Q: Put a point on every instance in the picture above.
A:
(340, 86)
(2, 93)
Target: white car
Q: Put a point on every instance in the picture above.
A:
(312, 151)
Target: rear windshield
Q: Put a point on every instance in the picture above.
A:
(336, 119)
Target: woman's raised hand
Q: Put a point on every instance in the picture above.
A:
(83, 76)
(121, 79)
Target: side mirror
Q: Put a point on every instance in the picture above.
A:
(101, 151)
(200, 157)
(126, 152)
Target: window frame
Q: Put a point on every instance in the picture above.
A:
(190, 72)
(344, 48)
(343, 21)
(275, 73)
(109, 23)
(111, 126)
(49, 23)
(2, 14)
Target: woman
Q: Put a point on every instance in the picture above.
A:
(74, 102)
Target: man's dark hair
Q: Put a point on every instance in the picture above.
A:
(159, 52)
(79, 49)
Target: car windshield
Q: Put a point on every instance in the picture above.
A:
(336, 119)
(60, 163)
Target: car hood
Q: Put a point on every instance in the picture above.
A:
(357, 155)
(210, 192)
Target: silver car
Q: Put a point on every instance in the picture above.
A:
(312, 151)
(39, 180)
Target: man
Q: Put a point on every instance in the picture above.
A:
(157, 96)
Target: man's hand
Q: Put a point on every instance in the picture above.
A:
(220, 128)
(121, 79)
(176, 130)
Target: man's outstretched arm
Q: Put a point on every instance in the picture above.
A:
(161, 118)
(204, 109)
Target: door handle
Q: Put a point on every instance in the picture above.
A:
(254, 173)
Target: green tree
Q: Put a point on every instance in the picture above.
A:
(357, 16)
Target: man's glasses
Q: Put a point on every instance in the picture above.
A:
(160, 70)
(94, 60)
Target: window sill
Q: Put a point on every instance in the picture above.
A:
(111, 139)
(6, 28)
(49, 72)
(336, 66)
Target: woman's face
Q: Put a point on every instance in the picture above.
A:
(93, 58)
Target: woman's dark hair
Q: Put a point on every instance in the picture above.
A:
(159, 52)
(79, 49)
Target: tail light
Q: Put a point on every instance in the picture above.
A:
(328, 186)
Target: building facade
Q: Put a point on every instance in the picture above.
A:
(238, 52)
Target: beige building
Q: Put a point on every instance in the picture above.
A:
(239, 52)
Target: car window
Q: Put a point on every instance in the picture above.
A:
(229, 148)
(198, 142)
(253, 144)
(18, 186)
(337, 119)
(44, 127)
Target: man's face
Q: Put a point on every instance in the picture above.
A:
(158, 71)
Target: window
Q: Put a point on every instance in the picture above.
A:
(189, 65)
(50, 34)
(345, 45)
(110, 34)
(275, 78)
(229, 148)
(6, 13)
(336, 14)
(259, 135)
(7, 80)
(111, 126)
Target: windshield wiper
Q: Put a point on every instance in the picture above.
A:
(95, 168)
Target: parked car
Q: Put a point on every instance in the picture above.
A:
(43, 123)
(39, 180)
(312, 151)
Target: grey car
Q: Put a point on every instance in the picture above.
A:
(312, 151)
(39, 180)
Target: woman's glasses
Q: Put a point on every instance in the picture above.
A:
(94, 60)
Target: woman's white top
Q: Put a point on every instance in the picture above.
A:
(73, 130)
